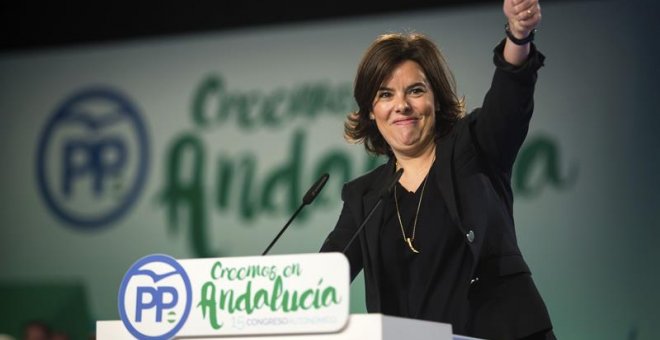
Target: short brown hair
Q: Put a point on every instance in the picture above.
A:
(378, 62)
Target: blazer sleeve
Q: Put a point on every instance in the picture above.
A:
(342, 233)
(500, 125)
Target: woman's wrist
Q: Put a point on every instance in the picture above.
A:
(519, 36)
(516, 50)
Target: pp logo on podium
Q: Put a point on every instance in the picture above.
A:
(155, 298)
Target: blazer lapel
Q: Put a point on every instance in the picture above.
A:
(445, 177)
(372, 228)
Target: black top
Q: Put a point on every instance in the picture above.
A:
(429, 285)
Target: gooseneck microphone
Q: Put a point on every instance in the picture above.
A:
(386, 191)
(307, 199)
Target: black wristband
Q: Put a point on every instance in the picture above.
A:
(517, 41)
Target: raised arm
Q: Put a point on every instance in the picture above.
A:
(500, 125)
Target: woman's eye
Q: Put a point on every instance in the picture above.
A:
(417, 90)
(384, 95)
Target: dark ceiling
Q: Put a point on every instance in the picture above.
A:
(27, 25)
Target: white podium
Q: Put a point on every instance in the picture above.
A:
(295, 296)
(359, 327)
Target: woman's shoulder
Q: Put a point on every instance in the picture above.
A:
(462, 125)
(369, 181)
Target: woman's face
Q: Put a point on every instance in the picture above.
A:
(404, 110)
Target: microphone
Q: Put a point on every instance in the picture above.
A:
(307, 199)
(383, 193)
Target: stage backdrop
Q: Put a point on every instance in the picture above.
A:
(203, 145)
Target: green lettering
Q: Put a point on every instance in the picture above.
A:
(304, 303)
(338, 165)
(214, 270)
(227, 300)
(537, 165)
(271, 105)
(276, 294)
(207, 303)
(307, 100)
(248, 206)
(293, 303)
(184, 190)
(253, 108)
(245, 109)
(244, 301)
(261, 299)
(329, 297)
(209, 86)
(286, 177)
(225, 175)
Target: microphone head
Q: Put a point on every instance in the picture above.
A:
(315, 189)
(388, 189)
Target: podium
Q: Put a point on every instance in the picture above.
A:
(297, 296)
(358, 327)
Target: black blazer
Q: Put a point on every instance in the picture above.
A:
(473, 171)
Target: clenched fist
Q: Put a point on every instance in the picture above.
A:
(523, 16)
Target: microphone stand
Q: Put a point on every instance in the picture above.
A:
(386, 191)
(282, 231)
(307, 199)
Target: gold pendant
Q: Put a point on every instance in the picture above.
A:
(409, 241)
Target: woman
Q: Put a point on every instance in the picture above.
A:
(443, 248)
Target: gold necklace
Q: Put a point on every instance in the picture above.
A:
(408, 240)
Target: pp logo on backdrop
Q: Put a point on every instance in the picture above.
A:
(155, 298)
(92, 157)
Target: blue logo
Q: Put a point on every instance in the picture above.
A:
(155, 298)
(92, 158)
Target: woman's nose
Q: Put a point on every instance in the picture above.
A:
(401, 105)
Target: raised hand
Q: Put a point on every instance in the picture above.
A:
(523, 16)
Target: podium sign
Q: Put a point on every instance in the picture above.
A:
(161, 297)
